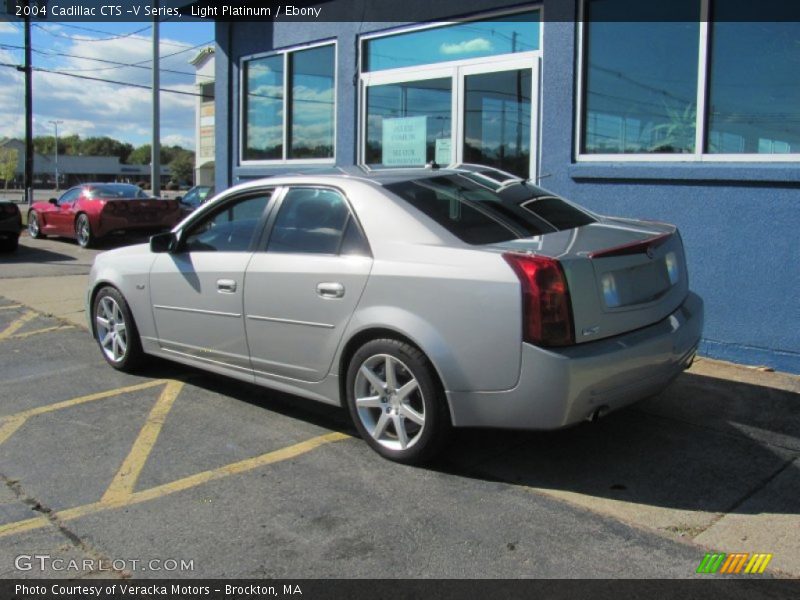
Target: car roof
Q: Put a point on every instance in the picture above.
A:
(385, 177)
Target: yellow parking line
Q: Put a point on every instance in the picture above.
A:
(17, 324)
(178, 485)
(19, 336)
(124, 481)
(10, 423)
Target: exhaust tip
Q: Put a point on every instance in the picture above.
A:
(595, 415)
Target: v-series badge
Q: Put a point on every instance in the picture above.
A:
(107, 10)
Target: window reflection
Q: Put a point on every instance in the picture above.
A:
(312, 103)
(640, 89)
(408, 122)
(497, 120)
(502, 35)
(754, 94)
(263, 128)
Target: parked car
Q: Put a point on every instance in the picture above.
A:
(421, 299)
(90, 211)
(10, 226)
(195, 197)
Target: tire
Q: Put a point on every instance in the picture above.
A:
(34, 229)
(83, 231)
(409, 426)
(9, 244)
(115, 330)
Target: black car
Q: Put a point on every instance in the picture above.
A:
(10, 226)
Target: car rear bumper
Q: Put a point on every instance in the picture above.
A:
(111, 223)
(560, 387)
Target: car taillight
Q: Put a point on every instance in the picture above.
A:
(546, 306)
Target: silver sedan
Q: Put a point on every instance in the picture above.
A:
(420, 299)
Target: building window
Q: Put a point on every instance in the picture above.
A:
(406, 122)
(507, 34)
(452, 93)
(754, 86)
(657, 79)
(288, 105)
(640, 91)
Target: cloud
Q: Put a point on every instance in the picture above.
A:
(467, 47)
(6, 27)
(97, 108)
(177, 139)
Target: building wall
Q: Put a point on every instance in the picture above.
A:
(739, 221)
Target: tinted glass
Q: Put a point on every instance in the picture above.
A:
(353, 241)
(408, 122)
(497, 120)
(502, 35)
(263, 112)
(117, 190)
(311, 103)
(228, 229)
(640, 90)
(311, 221)
(477, 214)
(69, 196)
(754, 89)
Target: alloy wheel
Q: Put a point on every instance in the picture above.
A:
(389, 402)
(112, 331)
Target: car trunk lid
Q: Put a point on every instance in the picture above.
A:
(622, 275)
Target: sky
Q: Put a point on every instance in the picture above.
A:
(95, 108)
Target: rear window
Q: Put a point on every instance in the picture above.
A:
(116, 190)
(478, 213)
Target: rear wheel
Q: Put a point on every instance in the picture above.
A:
(34, 229)
(115, 330)
(396, 401)
(83, 231)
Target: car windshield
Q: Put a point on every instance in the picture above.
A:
(196, 195)
(484, 212)
(123, 191)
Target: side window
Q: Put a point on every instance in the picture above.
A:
(310, 221)
(69, 197)
(230, 228)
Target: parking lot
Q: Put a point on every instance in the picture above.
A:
(229, 480)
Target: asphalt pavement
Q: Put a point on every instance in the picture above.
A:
(174, 464)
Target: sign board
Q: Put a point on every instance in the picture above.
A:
(404, 141)
(443, 151)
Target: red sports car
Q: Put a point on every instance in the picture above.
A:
(92, 210)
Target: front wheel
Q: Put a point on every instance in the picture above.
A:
(34, 229)
(115, 330)
(83, 231)
(396, 401)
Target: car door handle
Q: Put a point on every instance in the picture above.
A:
(330, 290)
(226, 286)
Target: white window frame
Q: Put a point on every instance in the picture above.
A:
(701, 125)
(456, 70)
(285, 52)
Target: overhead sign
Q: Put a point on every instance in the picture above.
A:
(404, 141)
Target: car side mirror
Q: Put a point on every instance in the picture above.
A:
(53, 201)
(163, 242)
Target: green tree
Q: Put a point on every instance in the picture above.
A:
(182, 167)
(105, 146)
(9, 158)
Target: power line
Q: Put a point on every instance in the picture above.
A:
(41, 27)
(118, 65)
(89, 39)
(112, 81)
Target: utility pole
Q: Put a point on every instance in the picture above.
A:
(55, 123)
(28, 182)
(155, 149)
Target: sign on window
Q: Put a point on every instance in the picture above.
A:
(404, 141)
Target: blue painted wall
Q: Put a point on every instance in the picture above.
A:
(740, 222)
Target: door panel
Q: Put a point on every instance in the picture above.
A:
(297, 307)
(197, 305)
